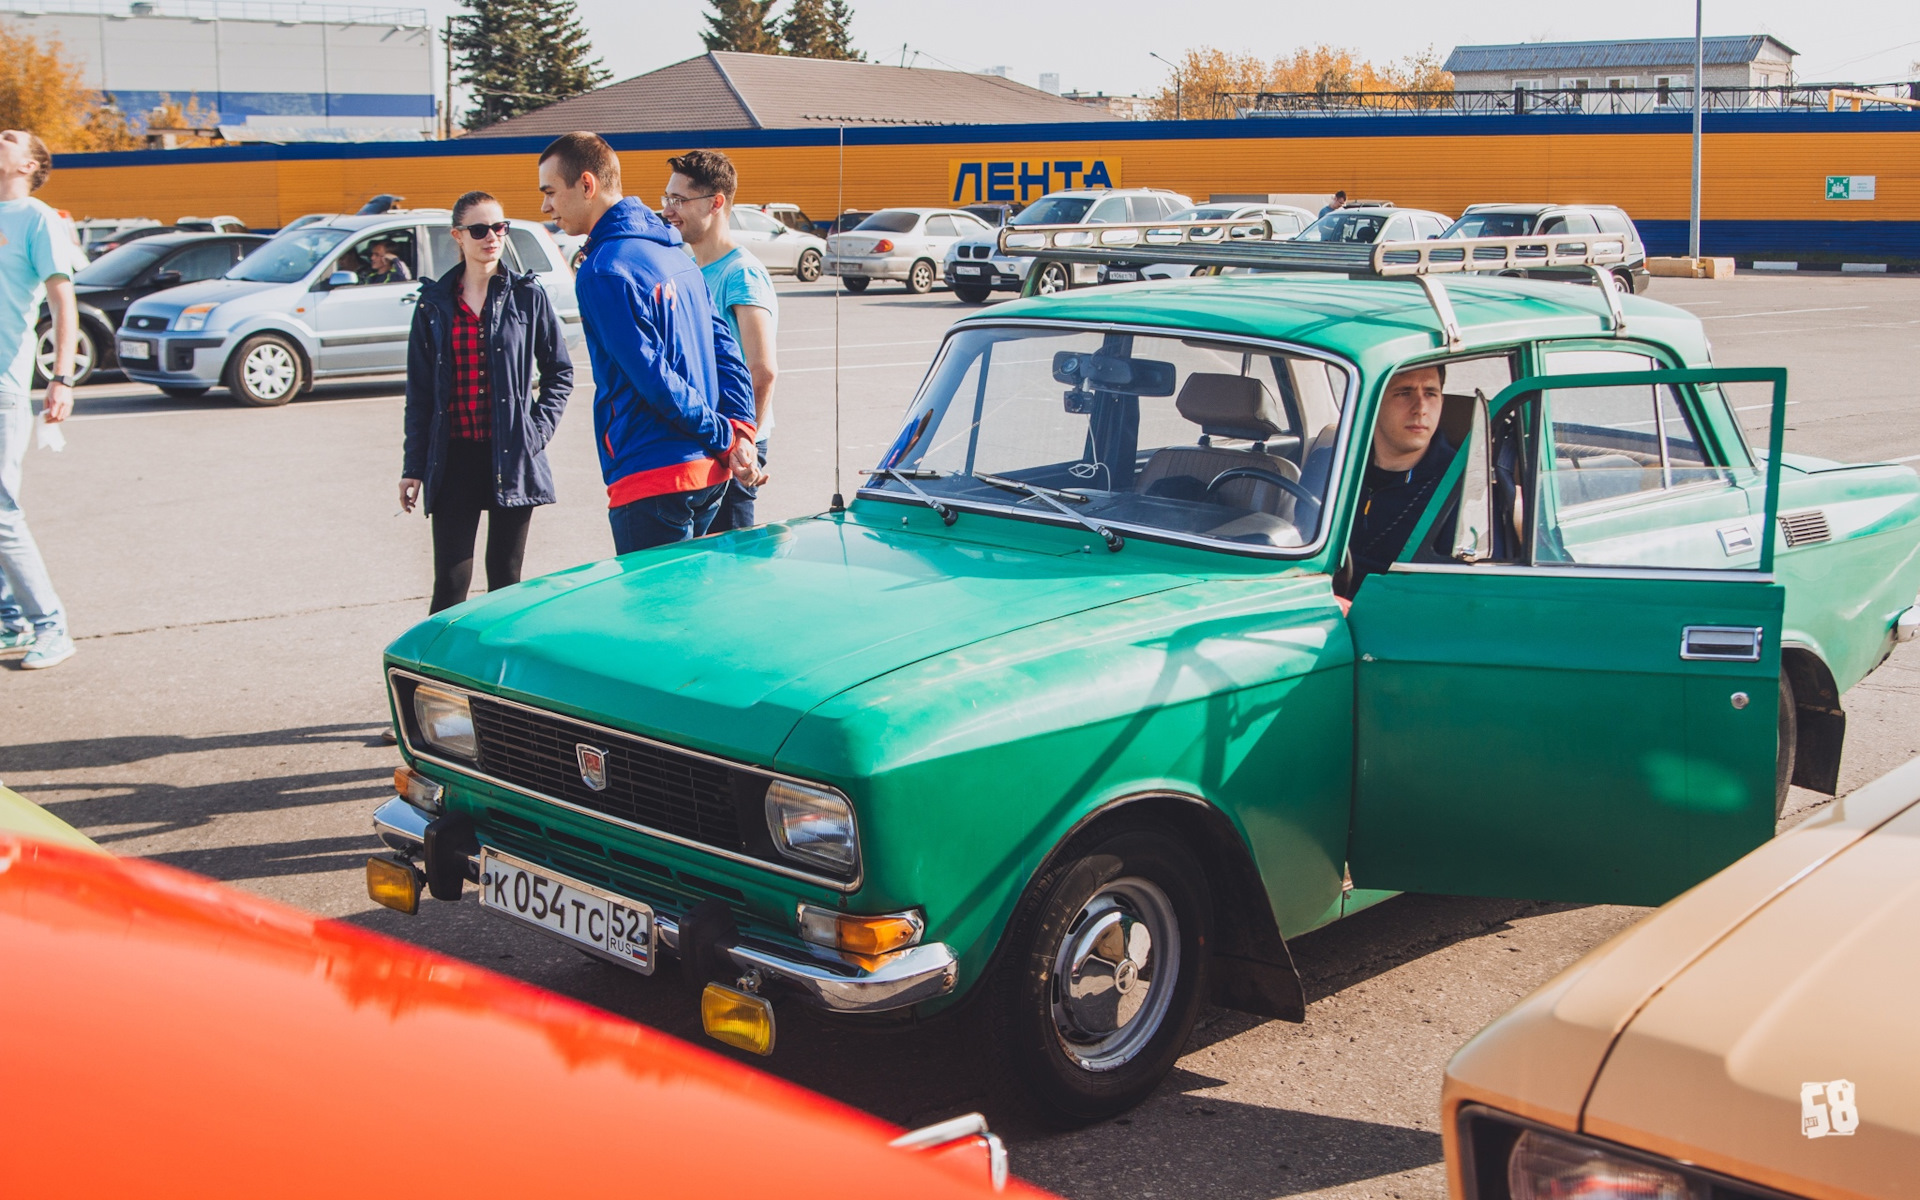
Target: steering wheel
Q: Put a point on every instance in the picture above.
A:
(1265, 476)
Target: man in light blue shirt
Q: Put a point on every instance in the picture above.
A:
(37, 261)
(699, 203)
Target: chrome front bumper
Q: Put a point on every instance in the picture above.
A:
(899, 979)
(1906, 627)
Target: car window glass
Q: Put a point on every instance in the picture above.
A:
(442, 253)
(1399, 229)
(1611, 221)
(120, 265)
(1579, 222)
(941, 225)
(969, 226)
(1344, 227)
(1053, 210)
(1554, 224)
(892, 220)
(208, 260)
(526, 245)
(754, 221)
(1111, 210)
(388, 257)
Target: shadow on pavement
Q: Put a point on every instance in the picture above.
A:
(80, 753)
(127, 398)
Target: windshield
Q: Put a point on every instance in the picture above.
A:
(288, 257)
(1492, 225)
(1053, 210)
(1158, 435)
(894, 220)
(1204, 212)
(1343, 227)
(118, 267)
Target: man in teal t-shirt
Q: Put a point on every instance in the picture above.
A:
(699, 203)
(38, 259)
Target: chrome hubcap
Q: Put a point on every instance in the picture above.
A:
(269, 371)
(1050, 283)
(1114, 974)
(82, 355)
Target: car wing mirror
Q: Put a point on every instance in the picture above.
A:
(342, 279)
(166, 278)
(1473, 520)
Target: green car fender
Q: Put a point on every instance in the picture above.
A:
(1228, 700)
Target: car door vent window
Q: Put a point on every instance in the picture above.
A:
(1805, 528)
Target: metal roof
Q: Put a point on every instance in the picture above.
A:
(727, 90)
(1595, 56)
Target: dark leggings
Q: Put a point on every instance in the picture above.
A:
(466, 490)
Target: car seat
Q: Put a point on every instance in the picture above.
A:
(1225, 406)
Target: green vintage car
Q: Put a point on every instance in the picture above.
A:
(1061, 724)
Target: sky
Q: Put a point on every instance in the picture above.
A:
(1103, 45)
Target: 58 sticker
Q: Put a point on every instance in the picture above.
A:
(1828, 1109)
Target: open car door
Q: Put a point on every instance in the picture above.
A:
(1590, 713)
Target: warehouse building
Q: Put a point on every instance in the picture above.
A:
(271, 71)
(1755, 61)
(727, 90)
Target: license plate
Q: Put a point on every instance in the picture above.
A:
(1123, 276)
(136, 350)
(619, 928)
(958, 269)
(852, 269)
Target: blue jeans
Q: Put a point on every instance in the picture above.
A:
(662, 520)
(736, 507)
(26, 594)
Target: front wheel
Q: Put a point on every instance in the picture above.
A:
(1053, 278)
(855, 283)
(971, 294)
(86, 355)
(266, 371)
(920, 278)
(1789, 737)
(808, 268)
(1101, 977)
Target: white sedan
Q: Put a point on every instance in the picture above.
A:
(907, 244)
(780, 249)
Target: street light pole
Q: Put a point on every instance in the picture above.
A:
(1699, 102)
(1176, 84)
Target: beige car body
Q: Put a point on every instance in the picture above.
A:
(1689, 1036)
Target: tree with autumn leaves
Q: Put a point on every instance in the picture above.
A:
(42, 90)
(1215, 83)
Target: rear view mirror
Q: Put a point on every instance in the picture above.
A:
(1107, 373)
(166, 278)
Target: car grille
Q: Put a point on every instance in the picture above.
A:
(1805, 528)
(975, 251)
(647, 784)
(146, 323)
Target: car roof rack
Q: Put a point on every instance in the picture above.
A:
(1253, 243)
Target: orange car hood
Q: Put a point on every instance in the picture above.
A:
(165, 1035)
(1820, 985)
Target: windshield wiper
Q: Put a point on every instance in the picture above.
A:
(1053, 496)
(906, 478)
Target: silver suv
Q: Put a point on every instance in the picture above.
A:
(306, 306)
(1527, 220)
(974, 269)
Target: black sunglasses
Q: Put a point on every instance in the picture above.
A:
(481, 230)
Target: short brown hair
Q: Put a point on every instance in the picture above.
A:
(41, 155)
(709, 169)
(581, 152)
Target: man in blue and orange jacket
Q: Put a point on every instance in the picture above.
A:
(673, 402)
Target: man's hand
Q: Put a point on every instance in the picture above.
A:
(409, 493)
(744, 461)
(59, 403)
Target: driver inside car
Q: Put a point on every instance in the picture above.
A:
(1408, 458)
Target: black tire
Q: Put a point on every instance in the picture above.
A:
(855, 283)
(808, 268)
(970, 294)
(266, 371)
(1625, 280)
(1054, 278)
(86, 353)
(1069, 1061)
(1789, 738)
(185, 393)
(921, 277)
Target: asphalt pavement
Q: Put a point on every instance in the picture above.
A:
(233, 574)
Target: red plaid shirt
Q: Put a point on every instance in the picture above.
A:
(472, 408)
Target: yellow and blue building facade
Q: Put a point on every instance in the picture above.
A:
(1767, 192)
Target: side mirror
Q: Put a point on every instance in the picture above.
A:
(166, 278)
(342, 279)
(1473, 521)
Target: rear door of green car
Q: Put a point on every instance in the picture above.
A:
(1585, 710)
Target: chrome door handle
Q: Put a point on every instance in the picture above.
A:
(1721, 643)
(408, 299)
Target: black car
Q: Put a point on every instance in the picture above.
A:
(108, 284)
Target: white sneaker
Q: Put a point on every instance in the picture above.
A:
(48, 651)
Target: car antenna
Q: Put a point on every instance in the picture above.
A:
(838, 505)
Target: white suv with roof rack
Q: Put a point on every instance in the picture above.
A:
(1522, 220)
(975, 268)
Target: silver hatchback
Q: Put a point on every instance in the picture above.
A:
(311, 305)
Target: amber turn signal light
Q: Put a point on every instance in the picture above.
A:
(394, 884)
(416, 789)
(864, 936)
(736, 1018)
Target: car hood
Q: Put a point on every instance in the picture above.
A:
(1817, 986)
(215, 291)
(723, 645)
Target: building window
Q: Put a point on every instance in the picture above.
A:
(1669, 84)
(1531, 85)
(1576, 85)
(1616, 82)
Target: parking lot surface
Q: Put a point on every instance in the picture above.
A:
(233, 575)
